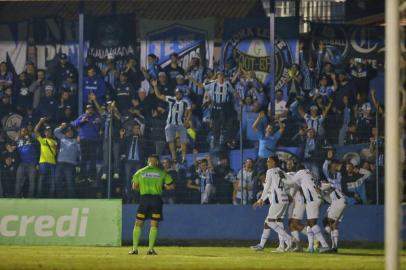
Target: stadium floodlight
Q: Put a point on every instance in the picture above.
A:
(392, 136)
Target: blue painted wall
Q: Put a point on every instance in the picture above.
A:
(228, 222)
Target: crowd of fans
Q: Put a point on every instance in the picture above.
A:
(172, 112)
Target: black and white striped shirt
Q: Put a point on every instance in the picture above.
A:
(177, 110)
(219, 93)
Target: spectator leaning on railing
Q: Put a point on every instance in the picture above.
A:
(88, 125)
(28, 160)
(68, 157)
(47, 160)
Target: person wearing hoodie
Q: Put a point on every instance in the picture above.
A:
(68, 157)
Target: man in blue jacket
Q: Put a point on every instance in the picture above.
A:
(28, 160)
(88, 125)
(94, 84)
(68, 157)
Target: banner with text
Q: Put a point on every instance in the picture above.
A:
(343, 42)
(187, 38)
(246, 43)
(112, 36)
(60, 222)
(54, 35)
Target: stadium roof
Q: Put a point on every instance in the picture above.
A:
(150, 9)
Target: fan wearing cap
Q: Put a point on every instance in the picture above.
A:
(196, 72)
(62, 70)
(110, 73)
(179, 114)
(47, 160)
(163, 84)
(48, 104)
(153, 68)
(68, 157)
(324, 90)
(88, 125)
(173, 69)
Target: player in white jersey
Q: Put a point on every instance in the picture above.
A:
(332, 188)
(312, 195)
(296, 208)
(274, 190)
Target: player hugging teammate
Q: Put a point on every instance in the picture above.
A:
(296, 191)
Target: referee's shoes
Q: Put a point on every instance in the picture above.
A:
(133, 252)
(151, 252)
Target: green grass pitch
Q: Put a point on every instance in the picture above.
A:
(59, 258)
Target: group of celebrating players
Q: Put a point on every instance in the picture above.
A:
(295, 191)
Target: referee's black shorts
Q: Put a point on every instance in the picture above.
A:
(150, 208)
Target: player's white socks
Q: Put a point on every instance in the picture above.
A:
(304, 231)
(281, 240)
(264, 237)
(310, 237)
(327, 229)
(319, 236)
(334, 238)
(280, 231)
(295, 236)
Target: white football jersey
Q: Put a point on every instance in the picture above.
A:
(333, 192)
(306, 181)
(294, 189)
(274, 188)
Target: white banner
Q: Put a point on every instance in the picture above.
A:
(13, 42)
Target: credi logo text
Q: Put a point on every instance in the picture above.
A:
(45, 226)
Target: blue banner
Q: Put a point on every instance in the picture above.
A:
(187, 38)
(246, 44)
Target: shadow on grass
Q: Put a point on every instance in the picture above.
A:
(359, 254)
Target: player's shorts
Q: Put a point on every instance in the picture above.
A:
(312, 209)
(171, 130)
(150, 208)
(277, 210)
(296, 210)
(336, 209)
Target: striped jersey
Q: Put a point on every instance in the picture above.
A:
(219, 93)
(314, 122)
(274, 187)
(205, 178)
(198, 75)
(306, 181)
(177, 110)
